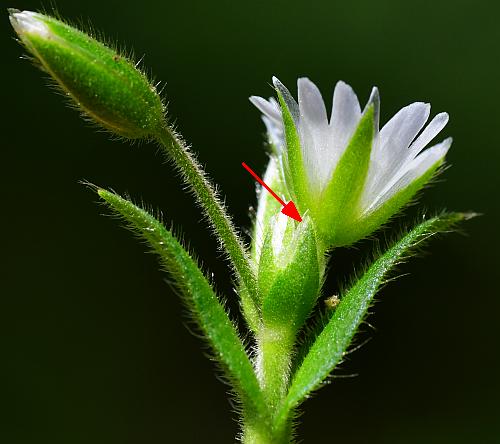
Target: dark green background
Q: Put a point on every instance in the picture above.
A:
(93, 342)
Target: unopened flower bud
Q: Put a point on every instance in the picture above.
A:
(289, 273)
(104, 84)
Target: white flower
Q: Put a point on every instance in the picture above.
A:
(350, 175)
(398, 156)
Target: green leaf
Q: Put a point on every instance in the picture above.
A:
(204, 304)
(337, 204)
(332, 343)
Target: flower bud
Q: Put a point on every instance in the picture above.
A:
(267, 205)
(289, 273)
(104, 84)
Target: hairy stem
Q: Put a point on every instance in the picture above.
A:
(206, 196)
(274, 355)
(259, 433)
(273, 364)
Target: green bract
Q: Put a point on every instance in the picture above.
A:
(106, 85)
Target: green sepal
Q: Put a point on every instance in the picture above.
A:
(331, 344)
(335, 210)
(205, 306)
(365, 225)
(289, 280)
(293, 164)
(103, 83)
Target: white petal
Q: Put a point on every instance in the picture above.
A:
(275, 103)
(311, 106)
(313, 131)
(316, 164)
(415, 169)
(346, 113)
(267, 107)
(390, 151)
(430, 131)
(397, 134)
(271, 115)
(275, 133)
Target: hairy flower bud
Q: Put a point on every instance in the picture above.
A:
(289, 273)
(106, 85)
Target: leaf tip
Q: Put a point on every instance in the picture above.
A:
(470, 215)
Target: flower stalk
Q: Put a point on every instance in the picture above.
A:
(192, 174)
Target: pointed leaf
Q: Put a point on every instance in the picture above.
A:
(206, 307)
(331, 344)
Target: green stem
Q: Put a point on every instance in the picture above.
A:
(206, 196)
(273, 364)
(259, 433)
(274, 355)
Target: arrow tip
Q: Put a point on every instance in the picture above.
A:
(290, 210)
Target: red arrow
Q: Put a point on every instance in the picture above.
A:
(289, 209)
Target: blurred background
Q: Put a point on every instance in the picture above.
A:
(94, 344)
